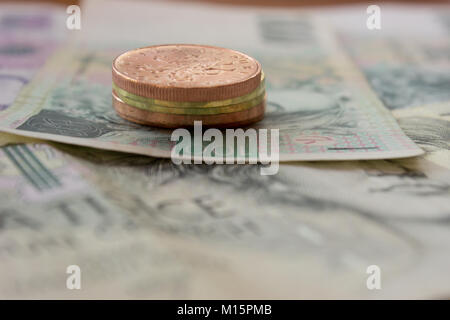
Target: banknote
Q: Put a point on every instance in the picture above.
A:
(429, 127)
(412, 77)
(56, 212)
(47, 206)
(403, 72)
(29, 35)
(53, 214)
(52, 217)
(141, 227)
(318, 100)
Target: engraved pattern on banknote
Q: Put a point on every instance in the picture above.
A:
(55, 122)
(400, 87)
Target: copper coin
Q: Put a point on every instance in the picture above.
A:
(186, 72)
(168, 120)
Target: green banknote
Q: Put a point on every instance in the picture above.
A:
(188, 231)
(52, 217)
(412, 77)
(318, 100)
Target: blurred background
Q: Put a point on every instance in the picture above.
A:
(268, 2)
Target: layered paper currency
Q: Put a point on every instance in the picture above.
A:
(141, 227)
(29, 36)
(318, 100)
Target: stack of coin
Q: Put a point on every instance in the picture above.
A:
(174, 85)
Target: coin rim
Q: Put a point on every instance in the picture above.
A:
(164, 120)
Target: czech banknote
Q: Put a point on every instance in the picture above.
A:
(411, 75)
(52, 217)
(29, 35)
(318, 100)
(140, 227)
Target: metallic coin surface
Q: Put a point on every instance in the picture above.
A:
(168, 120)
(205, 110)
(187, 73)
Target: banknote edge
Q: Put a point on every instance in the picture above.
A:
(158, 153)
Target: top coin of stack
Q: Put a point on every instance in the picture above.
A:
(174, 85)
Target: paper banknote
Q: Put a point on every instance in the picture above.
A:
(51, 216)
(318, 100)
(146, 228)
(411, 75)
(141, 227)
(29, 36)
(404, 72)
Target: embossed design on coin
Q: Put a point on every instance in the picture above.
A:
(186, 66)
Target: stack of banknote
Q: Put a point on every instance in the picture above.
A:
(364, 122)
